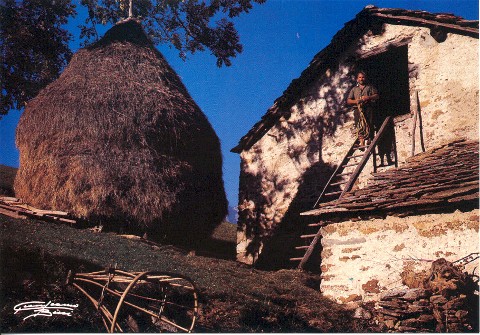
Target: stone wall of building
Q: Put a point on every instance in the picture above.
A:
(287, 168)
(361, 259)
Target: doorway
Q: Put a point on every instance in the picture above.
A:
(388, 72)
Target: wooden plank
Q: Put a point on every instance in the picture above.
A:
(456, 28)
(56, 218)
(40, 211)
(339, 183)
(17, 210)
(23, 211)
(332, 193)
(9, 199)
(308, 236)
(12, 214)
(383, 48)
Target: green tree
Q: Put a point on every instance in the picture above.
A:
(34, 47)
(34, 40)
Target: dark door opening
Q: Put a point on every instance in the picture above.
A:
(388, 72)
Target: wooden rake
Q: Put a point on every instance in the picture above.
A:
(140, 301)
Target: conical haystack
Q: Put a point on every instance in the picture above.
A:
(118, 140)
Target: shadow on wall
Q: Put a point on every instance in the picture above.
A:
(278, 250)
(258, 215)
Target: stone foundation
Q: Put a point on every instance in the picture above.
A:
(444, 302)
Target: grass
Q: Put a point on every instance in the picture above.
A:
(233, 296)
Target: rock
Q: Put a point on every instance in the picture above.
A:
(445, 278)
(414, 323)
(352, 305)
(415, 294)
(406, 329)
(417, 310)
(456, 303)
(395, 293)
(426, 318)
(421, 302)
(413, 309)
(390, 324)
(438, 315)
(461, 314)
(362, 313)
(350, 298)
(424, 321)
(387, 312)
(438, 299)
(392, 304)
(455, 327)
(439, 328)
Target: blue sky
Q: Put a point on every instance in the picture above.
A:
(279, 38)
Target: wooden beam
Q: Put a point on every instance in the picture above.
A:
(12, 214)
(384, 48)
(453, 27)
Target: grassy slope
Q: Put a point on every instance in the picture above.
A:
(234, 297)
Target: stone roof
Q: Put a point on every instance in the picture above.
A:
(370, 18)
(443, 177)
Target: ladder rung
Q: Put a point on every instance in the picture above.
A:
(314, 225)
(355, 156)
(343, 174)
(302, 247)
(333, 193)
(308, 236)
(339, 183)
(354, 164)
(296, 259)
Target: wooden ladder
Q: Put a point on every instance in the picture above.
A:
(340, 182)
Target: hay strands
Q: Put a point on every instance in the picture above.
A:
(140, 301)
(16, 208)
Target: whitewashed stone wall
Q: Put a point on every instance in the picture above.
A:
(318, 133)
(364, 258)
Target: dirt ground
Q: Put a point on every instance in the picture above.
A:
(36, 257)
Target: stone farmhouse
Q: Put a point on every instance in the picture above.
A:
(369, 216)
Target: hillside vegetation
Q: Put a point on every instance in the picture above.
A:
(233, 296)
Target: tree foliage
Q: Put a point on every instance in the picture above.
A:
(34, 40)
(34, 47)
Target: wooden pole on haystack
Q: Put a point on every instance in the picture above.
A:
(130, 9)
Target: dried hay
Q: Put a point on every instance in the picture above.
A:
(118, 140)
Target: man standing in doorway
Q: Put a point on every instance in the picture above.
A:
(362, 97)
